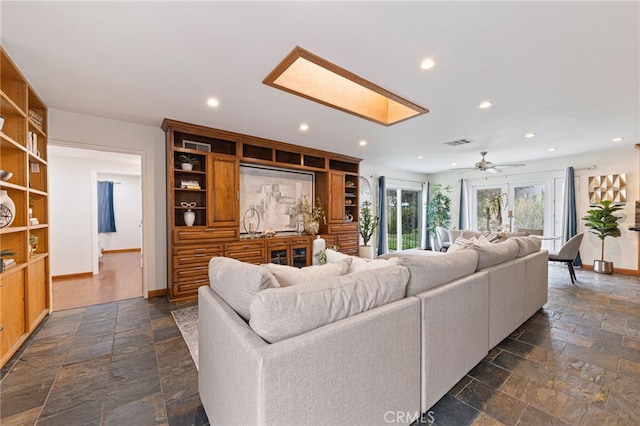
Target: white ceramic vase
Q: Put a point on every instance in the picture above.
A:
(7, 209)
(1, 122)
(187, 166)
(189, 218)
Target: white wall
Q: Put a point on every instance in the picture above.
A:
(85, 131)
(623, 251)
(127, 206)
(73, 215)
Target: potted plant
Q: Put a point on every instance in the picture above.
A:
(438, 208)
(187, 161)
(368, 225)
(603, 223)
(33, 243)
(312, 215)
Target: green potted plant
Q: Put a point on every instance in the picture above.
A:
(438, 208)
(187, 161)
(33, 243)
(368, 225)
(603, 223)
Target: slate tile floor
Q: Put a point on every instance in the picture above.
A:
(575, 362)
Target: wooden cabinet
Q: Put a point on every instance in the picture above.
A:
(292, 251)
(25, 283)
(208, 192)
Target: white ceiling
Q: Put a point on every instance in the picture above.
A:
(568, 71)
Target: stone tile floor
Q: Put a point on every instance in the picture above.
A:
(576, 362)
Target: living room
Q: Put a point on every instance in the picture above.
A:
(141, 75)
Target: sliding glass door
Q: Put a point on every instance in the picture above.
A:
(404, 213)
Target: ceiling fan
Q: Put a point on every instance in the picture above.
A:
(487, 166)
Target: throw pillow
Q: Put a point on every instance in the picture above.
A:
(461, 244)
(280, 313)
(528, 245)
(494, 254)
(237, 282)
(359, 264)
(290, 275)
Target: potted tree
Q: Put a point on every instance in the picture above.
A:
(438, 209)
(187, 161)
(603, 223)
(368, 225)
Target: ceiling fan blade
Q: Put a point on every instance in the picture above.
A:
(509, 165)
(463, 168)
(493, 170)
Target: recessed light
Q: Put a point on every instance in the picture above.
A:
(304, 127)
(427, 64)
(485, 104)
(617, 139)
(454, 164)
(213, 102)
(420, 157)
(530, 135)
(363, 142)
(552, 149)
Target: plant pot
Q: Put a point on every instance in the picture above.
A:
(187, 166)
(603, 266)
(366, 252)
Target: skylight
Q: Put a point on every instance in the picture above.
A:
(312, 77)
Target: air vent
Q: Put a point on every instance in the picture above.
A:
(458, 142)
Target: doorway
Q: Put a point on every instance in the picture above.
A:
(86, 267)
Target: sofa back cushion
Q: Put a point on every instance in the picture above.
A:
(290, 275)
(431, 271)
(237, 282)
(527, 245)
(493, 254)
(454, 234)
(359, 264)
(280, 313)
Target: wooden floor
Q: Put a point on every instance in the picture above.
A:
(120, 278)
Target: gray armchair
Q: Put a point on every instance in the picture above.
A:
(568, 254)
(442, 235)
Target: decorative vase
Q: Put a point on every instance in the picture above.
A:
(312, 227)
(189, 218)
(602, 266)
(1, 122)
(7, 209)
(366, 252)
(187, 166)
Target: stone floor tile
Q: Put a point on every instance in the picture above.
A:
(148, 410)
(23, 418)
(89, 413)
(187, 411)
(516, 347)
(460, 385)
(532, 416)
(85, 353)
(541, 397)
(449, 411)
(521, 366)
(496, 404)
(489, 374)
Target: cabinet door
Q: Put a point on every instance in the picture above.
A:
(12, 324)
(335, 212)
(223, 183)
(36, 293)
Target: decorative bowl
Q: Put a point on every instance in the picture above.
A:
(5, 175)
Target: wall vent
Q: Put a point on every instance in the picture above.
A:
(458, 142)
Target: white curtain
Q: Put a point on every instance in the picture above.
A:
(464, 215)
(424, 230)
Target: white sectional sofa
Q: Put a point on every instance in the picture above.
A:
(376, 346)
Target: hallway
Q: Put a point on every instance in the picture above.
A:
(120, 278)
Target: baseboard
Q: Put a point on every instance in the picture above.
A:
(121, 250)
(632, 272)
(68, 276)
(157, 293)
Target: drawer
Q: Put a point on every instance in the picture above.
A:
(188, 288)
(192, 260)
(193, 235)
(280, 243)
(351, 251)
(338, 228)
(298, 241)
(245, 250)
(330, 240)
(194, 274)
(348, 239)
(200, 249)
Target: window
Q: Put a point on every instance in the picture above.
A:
(404, 207)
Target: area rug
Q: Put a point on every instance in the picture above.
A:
(187, 321)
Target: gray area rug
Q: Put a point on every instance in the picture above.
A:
(187, 321)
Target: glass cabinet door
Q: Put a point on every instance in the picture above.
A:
(278, 256)
(299, 257)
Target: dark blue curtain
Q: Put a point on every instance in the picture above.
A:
(570, 220)
(426, 210)
(463, 206)
(382, 214)
(106, 215)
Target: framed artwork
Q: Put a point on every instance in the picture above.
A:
(270, 198)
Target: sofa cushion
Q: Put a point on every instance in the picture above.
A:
(431, 271)
(359, 264)
(528, 245)
(237, 282)
(454, 234)
(493, 254)
(461, 244)
(290, 275)
(280, 313)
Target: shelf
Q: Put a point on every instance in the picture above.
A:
(8, 143)
(12, 229)
(9, 107)
(12, 269)
(37, 191)
(34, 128)
(5, 185)
(38, 226)
(34, 157)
